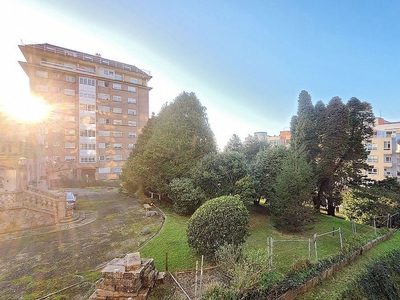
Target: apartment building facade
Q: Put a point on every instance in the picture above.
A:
(99, 107)
(384, 151)
(283, 139)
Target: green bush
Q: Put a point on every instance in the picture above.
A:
(186, 198)
(219, 221)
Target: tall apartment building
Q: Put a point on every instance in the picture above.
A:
(384, 156)
(100, 106)
(283, 139)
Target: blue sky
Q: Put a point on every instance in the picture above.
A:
(247, 61)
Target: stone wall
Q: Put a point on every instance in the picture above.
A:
(126, 278)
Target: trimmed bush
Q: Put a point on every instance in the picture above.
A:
(219, 221)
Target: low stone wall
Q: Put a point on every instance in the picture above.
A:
(125, 278)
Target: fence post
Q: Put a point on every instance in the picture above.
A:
(309, 249)
(195, 281)
(340, 236)
(315, 247)
(374, 225)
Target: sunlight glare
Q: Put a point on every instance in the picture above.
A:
(27, 109)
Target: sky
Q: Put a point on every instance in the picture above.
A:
(247, 61)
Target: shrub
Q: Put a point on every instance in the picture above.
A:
(186, 198)
(219, 221)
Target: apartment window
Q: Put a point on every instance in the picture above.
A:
(388, 159)
(69, 118)
(87, 120)
(69, 92)
(42, 74)
(131, 146)
(132, 112)
(117, 110)
(104, 133)
(132, 100)
(117, 86)
(87, 133)
(87, 81)
(117, 134)
(69, 158)
(386, 145)
(55, 75)
(372, 158)
(118, 76)
(69, 145)
(387, 172)
(131, 89)
(117, 98)
(373, 171)
(56, 144)
(103, 83)
(56, 89)
(87, 107)
(117, 157)
(118, 170)
(42, 88)
(103, 96)
(70, 132)
(88, 159)
(104, 170)
(87, 146)
(132, 123)
(117, 122)
(104, 121)
(108, 73)
(117, 145)
(104, 145)
(69, 78)
(372, 146)
(104, 108)
(134, 80)
(132, 134)
(104, 157)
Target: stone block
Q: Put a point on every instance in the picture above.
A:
(132, 261)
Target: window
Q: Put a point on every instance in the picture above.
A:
(103, 83)
(131, 146)
(69, 118)
(104, 133)
(132, 100)
(104, 145)
(388, 159)
(117, 145)
(69, 145)
(118, 170)
(104, 170)
(87, 133)
(131, 89)
(87, 146)
(386, 145)
(108, 73)
(132, 123)
(132, 112)
(104, 108)
(55, 75)
(117, 134)
(56, 89)
(69, 92)
(104, 121)
(87, 81)
(387, 172)
(87, 120)
(104, 157)
(69, 78)
(134, 80)
(372, 146)
(117, 110)
(42, 74)
(132, 134)
(117, 98)
(117, 86)
(42, 88)
(103, 96)
(87, 107)
(70, 132)
(88, 159)
(117, 122)
(372, 158)
(56, 144)
(117, 157)
(70, 158)
(118, 76)
(373, 171)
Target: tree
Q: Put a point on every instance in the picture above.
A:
(186, 198)
(290, 206)
(234, 144)
(251, 146)
(177, 138)
(217, 222)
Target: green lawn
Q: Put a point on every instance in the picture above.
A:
(172, 239)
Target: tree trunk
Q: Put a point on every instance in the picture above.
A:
(331, 209)
(256, 201)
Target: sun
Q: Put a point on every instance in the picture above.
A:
(29, 109)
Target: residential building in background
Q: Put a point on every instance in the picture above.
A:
(99, 108)
(283, 139)
(384, 150)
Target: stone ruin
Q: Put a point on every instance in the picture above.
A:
(128, 278)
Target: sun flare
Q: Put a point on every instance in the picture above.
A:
(27, 109)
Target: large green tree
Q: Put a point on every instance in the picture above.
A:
(169, 146)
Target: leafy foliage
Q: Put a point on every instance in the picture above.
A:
(186, 198)
(234, 144)
(218, 221)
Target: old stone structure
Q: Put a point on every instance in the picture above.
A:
(126, 278)
(31, 208)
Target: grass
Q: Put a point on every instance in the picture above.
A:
(172, 239)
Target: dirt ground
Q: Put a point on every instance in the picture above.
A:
(37, 263)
